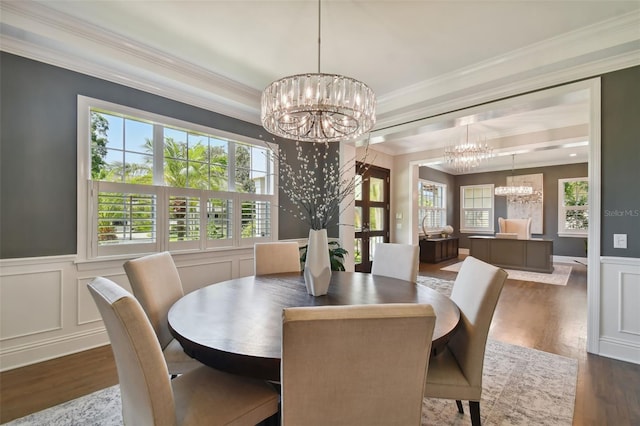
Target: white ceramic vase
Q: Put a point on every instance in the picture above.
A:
(317, 266)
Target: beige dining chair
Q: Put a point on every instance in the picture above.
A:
(149, 397)
(355, 364)
(396, 261)
(156, 284)
(456, 371)
(276, 257)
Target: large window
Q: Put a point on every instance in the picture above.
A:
(476, 209)
(573, 207)
(155, 183)
(432, 206)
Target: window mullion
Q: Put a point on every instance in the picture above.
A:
(231, 166)
(162, 215)
(158, 154)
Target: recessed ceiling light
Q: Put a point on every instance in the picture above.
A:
(573, 154)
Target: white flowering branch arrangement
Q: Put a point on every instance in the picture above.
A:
(316, 187)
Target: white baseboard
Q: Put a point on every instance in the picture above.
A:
(44, 350)
(620, 350)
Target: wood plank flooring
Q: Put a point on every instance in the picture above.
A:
(540, 316)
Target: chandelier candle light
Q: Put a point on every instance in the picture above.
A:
(513, 190)
(468, 155)
(318, 107)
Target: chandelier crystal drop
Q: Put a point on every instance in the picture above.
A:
(318, 107)
(513, 190)
(467, 156)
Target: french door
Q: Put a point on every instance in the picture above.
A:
(371, 213)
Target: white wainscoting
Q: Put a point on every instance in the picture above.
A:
(46, 310)
(620, 308)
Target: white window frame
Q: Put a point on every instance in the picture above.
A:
(490, 229)
(442, 210)
(562, 210)
(87, 245)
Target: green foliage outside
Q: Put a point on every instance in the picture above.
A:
(576, 194)
(195, 165)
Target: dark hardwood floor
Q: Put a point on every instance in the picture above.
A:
(545, 317)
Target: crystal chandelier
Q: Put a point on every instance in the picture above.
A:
(467, 156)
(513, 190)
(318, 107)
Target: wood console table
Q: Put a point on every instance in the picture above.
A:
(527, 255)
(434, 250)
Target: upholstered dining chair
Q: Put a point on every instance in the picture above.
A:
(156, 284)
(355, 364)
(456, 372)
(149, 397)
(396, 261)
(276, 257)
(520, 227)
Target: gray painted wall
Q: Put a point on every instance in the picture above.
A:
(621, 161)
(291, 227)
(38, 114)
(38, 154)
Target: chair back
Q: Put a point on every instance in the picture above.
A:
(358, 364)
(396, 261)
(520, 227)
(476, 291)
(276, 257)
(156, 284)
(147, 398)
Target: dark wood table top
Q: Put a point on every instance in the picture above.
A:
(236, 325)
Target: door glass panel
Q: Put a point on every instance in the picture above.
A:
(357, 220)
(376, 189)
(372, 244)
(357, 251)
(358, 187)
(376, 218)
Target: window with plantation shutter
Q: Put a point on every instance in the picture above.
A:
(157, 183)
(476, 209)
(573, 207)
(432, 206)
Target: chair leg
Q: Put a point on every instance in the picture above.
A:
(459, 404)
(474, 408)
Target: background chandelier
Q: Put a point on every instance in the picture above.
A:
(318, 107)
(513, 190)
(467, 156)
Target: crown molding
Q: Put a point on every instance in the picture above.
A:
(37, 32)
(34, 31)
(583, 53)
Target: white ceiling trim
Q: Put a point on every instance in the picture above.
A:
(591, 53)
(172, 77)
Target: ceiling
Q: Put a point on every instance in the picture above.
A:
(423, 59)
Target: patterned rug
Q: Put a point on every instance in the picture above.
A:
(560, 275)
(521, 386)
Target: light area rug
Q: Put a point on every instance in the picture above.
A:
(560, 275)
(521, 386)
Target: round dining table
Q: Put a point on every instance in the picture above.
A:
(236, 325)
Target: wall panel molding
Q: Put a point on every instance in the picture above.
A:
(619, 315)
(77, 325)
